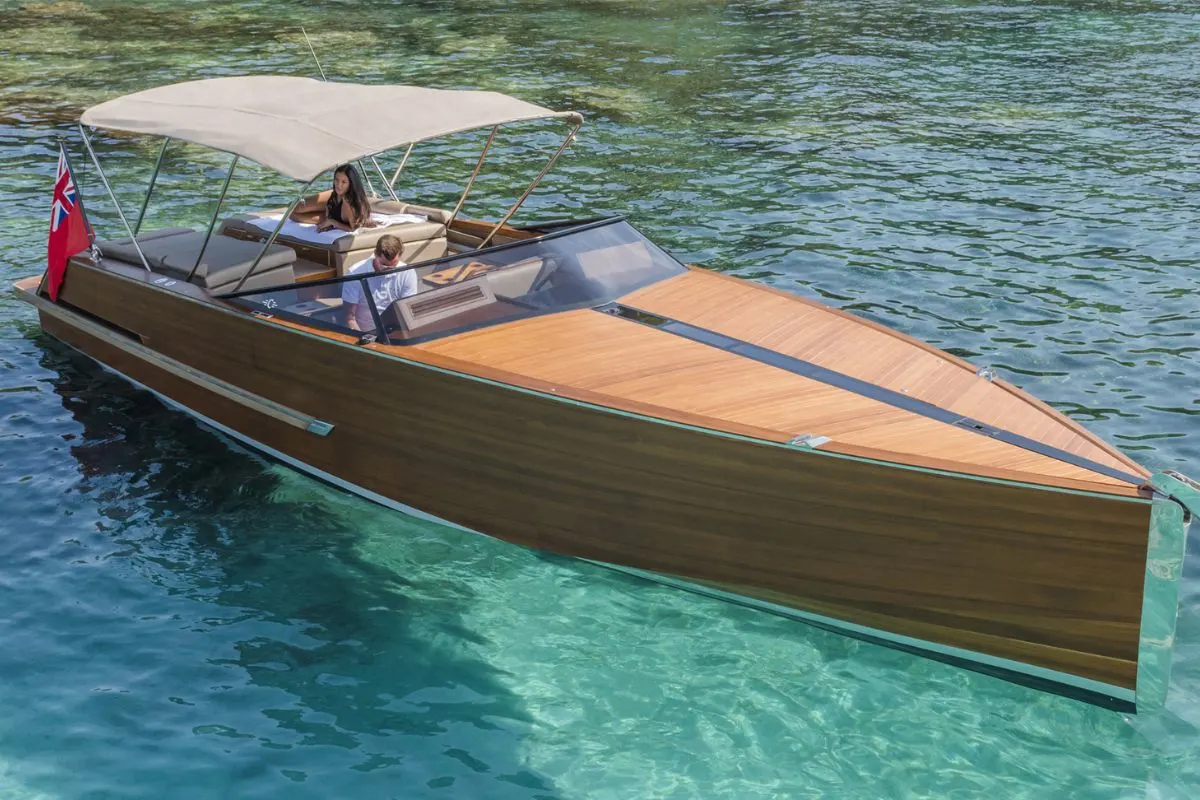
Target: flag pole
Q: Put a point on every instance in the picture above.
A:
(62, 148)
(62, 151)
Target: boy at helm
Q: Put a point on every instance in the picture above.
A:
(385, 289)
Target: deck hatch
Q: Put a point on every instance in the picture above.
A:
(978, 427)
(644, 317)
(840, 380)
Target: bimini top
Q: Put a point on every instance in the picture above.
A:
(302, 127)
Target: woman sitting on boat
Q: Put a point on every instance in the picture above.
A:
(344, 207)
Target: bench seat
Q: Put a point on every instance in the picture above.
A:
(422, 240)
(173, 251)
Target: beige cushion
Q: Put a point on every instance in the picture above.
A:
(395, 207)
(405, 232)
(280, 276)
(413, 253)
(225, 258)
(360, 240)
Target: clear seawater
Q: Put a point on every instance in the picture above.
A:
(1016, 182)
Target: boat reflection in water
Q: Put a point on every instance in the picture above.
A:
(276, 613)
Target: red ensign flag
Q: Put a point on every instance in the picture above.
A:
(68, 228)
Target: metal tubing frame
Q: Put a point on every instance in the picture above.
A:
(399, 169)
(564, 230)
(361, 168)
(383, 178)
(537, 179)
(104, 179)
(216, 213)
(271, 239)
(366, 177)
(314, 54)
(137, 226)
(470, 183)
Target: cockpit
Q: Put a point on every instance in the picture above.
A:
(532, 271)
(458, 272)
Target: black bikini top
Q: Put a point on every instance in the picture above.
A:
(334, 207)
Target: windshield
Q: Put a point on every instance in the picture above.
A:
(574, 268)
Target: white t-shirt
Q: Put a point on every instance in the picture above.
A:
(385, 290)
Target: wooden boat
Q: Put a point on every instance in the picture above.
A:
(571, 387)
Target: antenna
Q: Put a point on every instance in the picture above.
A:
(366, 175)
(314, 54)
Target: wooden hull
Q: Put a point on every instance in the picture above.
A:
(1019, 579)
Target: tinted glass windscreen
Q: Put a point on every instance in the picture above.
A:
(574, 268)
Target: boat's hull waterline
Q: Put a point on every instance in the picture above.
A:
(1033, 583)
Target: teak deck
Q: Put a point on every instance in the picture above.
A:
(837, 340)
(482, 437)
(630, 364)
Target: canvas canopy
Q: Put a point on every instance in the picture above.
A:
(302, 127)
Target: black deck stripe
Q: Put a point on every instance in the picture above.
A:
(831, 377)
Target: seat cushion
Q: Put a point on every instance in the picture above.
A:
(364, 239)
(280, 276)
(396, 207)
(173, 251)
(123, 249)
(225, 258)
(414, 252)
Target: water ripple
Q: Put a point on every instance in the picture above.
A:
(1014, 183)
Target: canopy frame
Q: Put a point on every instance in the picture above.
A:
(216, 214)
(104, 179)
(133, 126)
(399, 169)
(474, 174)
(532, 185)
(271, 239)
(383, 178)
(137, 226)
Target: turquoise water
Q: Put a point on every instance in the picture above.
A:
(181, 618)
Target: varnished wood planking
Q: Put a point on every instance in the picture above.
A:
(879, 439)
(882, 442)
(138, 276)
(632, 362)
(838, 342)
(904, 548)
(1052, 472)
(476, 367)
(470, 232)
(842, 342)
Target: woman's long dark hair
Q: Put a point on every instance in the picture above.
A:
(355, 195)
